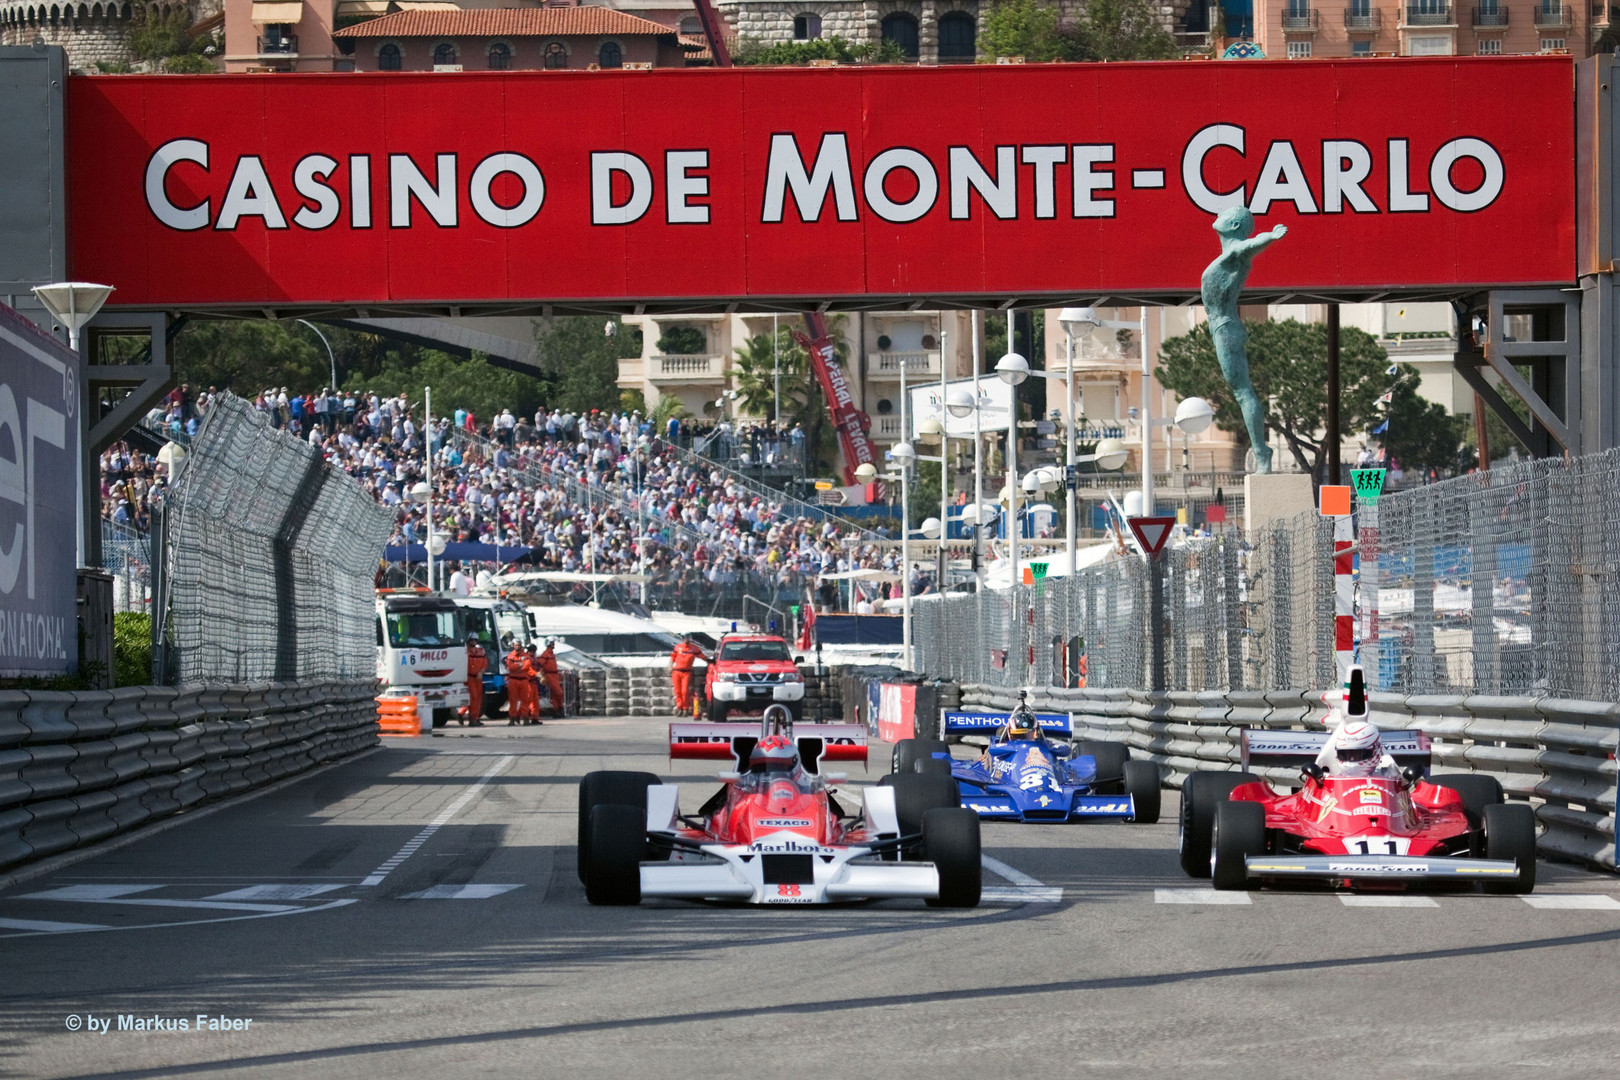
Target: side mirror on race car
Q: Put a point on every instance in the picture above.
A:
(835, 777)
(1412, 774)
(1313, 771)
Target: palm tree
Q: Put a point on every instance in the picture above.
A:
(759, 370)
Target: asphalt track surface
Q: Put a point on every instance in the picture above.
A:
(474, 953)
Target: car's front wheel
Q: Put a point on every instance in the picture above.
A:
(1201, 793)
(615, 839)
(951, 842)
(1142, 785)
(1510, 835)
(1240, 832)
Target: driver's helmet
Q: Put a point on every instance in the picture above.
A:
(774, 755)
(1357, 747)
(1021, 724)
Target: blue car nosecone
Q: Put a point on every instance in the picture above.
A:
(1036, 780)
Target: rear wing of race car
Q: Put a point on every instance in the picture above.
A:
(1295, 749)
(734, 742)
(988, 723)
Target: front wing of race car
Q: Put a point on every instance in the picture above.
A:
(1011, 804)
(1377, 867)
(783, 867)
(786, 869)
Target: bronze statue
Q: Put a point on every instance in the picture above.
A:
(1221, 285)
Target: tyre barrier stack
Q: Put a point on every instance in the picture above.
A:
(592, 692)
(1556, 753)
(79, 767)
(823, 696)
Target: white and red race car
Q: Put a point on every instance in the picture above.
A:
(775, 833)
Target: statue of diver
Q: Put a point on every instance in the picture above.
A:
(1221, 285)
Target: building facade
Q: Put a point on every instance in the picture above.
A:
(1300, 29)
(880, 344)
(94, 34)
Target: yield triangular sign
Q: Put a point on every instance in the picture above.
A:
(1151, 532)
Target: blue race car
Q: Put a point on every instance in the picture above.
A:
(1024, 776)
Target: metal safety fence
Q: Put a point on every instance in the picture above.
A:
(268, 559)
(1503, 582)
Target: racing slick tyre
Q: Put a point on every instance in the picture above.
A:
(1477, 791)
(1111, 759)
(907, 752)
(916, 793)
(951, 842)
(614, 839)
(1142, 785)
(609, 788)
(931, 766)
(1240, 831)
(1200, 794)
(1510, 833)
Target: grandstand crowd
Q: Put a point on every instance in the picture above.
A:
(573, 489)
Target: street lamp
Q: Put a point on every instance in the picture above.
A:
(73, 304)
(904, 455)
(329, 354)
(1013, 370)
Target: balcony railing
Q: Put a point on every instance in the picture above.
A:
(688, 367)
(1552, 18)
(1370, 21)
(1491, 18)
(1430, 15)
(278, 46)
(1300, 19)
(886, 428)
(888, 364)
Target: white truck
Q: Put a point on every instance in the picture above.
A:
(422, 647)
(499, 624)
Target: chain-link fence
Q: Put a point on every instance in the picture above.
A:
(1505, 583)
(127, 555)
(269, 558)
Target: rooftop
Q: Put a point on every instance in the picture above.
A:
(518, 22)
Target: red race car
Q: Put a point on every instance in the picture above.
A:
(775, 833)
(1383, 821)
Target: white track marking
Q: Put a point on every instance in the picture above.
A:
(1353, 900)
(196, 922)
(1021, 894)
(377, 875)
(460, 892)
(87, 892)
(1024, 890)
(1200, 896)
(1002, 870)
(1572, 902)
(275, 892)
(40, 926)
(142, 901)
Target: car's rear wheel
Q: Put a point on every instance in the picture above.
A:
(951, 842)
(917, 793)
(493, 704)
(1510, 834)
(907, 752)
(1240, 832)
(609, 788)
(1201, 792)
(1111, 759)
(614, 839)
(1142, 785)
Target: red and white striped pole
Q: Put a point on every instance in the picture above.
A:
(1344, 599)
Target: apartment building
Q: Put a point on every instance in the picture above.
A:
(880, 345)
(1298, 29)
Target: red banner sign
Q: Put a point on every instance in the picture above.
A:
(960, 182)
